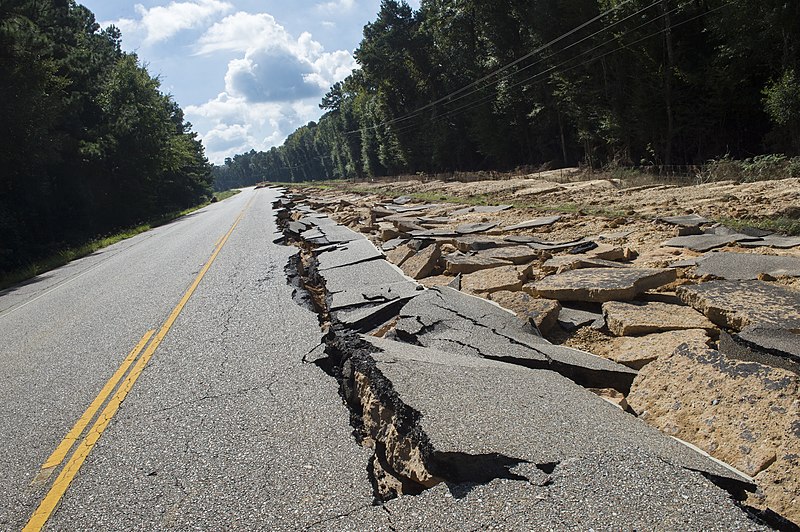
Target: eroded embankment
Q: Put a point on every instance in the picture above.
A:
(405, 461)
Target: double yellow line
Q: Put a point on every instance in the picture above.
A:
(149, 344)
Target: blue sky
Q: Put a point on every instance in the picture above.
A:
(247, 73)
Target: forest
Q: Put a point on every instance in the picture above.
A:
(464, 85)
(88, 143)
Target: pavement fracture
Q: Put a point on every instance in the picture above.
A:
(404, 462)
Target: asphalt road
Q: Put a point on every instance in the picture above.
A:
(226, 427)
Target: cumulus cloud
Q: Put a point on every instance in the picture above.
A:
(235, 125)
(159, 23)
(271, 89)
(276, 67)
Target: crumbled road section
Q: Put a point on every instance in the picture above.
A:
(453, 391)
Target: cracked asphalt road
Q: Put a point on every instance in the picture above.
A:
(227, 427)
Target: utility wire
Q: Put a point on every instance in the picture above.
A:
(501, 69)
(484, 99)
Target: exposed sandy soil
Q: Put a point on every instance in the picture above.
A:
(762, 436)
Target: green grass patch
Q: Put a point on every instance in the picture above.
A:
(225, 194)
(69, 254)
(778, 224)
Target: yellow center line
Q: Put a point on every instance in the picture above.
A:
(65, 478)
(72, 436)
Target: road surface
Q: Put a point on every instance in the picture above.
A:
(226, 425)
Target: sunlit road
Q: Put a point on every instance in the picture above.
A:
(224, 425)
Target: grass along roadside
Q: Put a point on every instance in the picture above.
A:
(67, 255)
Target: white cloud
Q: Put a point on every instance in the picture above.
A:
(235, 125)
(336, 6)
(241, 32)
(159, 23)
(271, 89)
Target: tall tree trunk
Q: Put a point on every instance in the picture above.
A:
(668, 84)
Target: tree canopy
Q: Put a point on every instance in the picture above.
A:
(479, 84)
(88, 142)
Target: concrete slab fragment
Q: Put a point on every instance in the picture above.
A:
(349, 253)
(393, 243)
(631, 319)
(477, 243)
(600, 284)
(737, 304)
(557, 246)
(740, 412)
(458, 263)
(542, 221)
(400, 254)
(740, 266)
(490, 209)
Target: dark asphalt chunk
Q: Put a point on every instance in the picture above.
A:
(543, 418)
(458, 323)
(740, 266)
(351, 253)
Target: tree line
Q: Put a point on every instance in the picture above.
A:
(88, 142)
(462, 85)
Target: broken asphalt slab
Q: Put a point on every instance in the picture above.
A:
(544, 419)
(542, 221)
(458, 323)
(350, 253)
(737, 304)
(741, 266)
(600, 284)
(632, 319)
(706, 242)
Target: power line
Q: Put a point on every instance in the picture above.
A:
(499, 70)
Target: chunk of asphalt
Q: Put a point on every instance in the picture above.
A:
(459, 263)
(646, 317)
(581, 248)
(469, 229)
(490, 209)
(542, 221)
(296, 228)
(775, 241)
(458, 323)
(515, 254)
(366, 318)
(393, 243)
(749, 231)
(542, 419)
(350, 253)
(361, 276)
(372, 294)
(737, 304)
(317, 220)
(600, 284)
(556, 246)
(686, 220)
(784, 343)
(740, 266)
(572, 319)
(476, 243)
(706, 242)
(339, 234)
